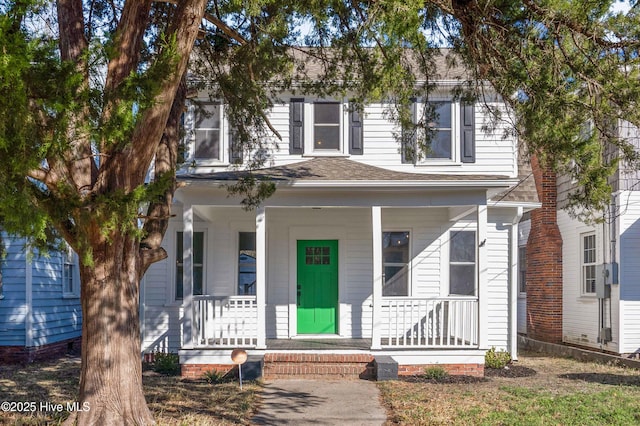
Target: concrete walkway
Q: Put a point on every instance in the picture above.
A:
(320, 402)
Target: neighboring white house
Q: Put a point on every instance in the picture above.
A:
(600, 268)
(359, 253)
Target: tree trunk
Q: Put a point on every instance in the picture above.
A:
(111, 374)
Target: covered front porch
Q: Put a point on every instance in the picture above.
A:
(384, 299)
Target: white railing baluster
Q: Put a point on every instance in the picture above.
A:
(225, 321)
(441, 322)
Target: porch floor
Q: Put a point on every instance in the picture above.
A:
(318, 344)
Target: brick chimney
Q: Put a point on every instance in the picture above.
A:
(544, 261)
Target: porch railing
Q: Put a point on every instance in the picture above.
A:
(429, 323)
(230, 321)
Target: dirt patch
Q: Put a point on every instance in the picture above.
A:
(511, 370)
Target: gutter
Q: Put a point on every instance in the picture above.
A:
(489, 183)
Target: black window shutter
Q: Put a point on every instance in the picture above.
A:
(355, 133)
(235, 148)
(296, 126)
(409, 142)
(467, 134)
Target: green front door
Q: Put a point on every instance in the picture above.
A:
(317, 287)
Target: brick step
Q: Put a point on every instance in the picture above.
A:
(308, 366)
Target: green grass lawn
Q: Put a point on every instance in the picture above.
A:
(562, 392)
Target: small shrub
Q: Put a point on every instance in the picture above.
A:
(166, 363)
(496, 359)
(435, 373)
(214, 377)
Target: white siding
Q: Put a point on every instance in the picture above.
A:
(629, 288)
(580, 316)
(498, 282)
(495, 153)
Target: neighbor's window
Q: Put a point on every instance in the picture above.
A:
(70, 281)
(246, 263)
(395, 258)
(208, 132)
(462, 263)
(522, 269)
(326, 125)
(198, 263)
(589, 263)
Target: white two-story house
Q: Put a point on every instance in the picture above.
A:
(360, 253)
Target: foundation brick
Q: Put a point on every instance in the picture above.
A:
(25, 355)
(476, 370)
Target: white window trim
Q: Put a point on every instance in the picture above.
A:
(411, 271)
(455, 133)
(445, 253)
(309, 149)
(171, 252)
(583, 235)
(71, 258)
(224, 156)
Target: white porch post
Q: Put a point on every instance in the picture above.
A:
(514, 290)
(187, 277)
(261, 276)
(483, 291)
(376, 228)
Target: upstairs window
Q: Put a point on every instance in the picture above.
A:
(324, 128)
(444, 131)
(588, 264)
(441, 130)
(208, 131)
(326, 125)
(462, 263)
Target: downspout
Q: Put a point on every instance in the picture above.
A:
(513, 288)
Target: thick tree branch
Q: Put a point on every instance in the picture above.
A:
(159, 211)
(230, 32)
(80, 167)
(127, 169)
